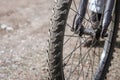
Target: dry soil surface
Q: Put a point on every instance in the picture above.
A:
(23, 36)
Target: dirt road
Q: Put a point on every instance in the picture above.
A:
(23, 35)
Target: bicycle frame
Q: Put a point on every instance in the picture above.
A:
(107, 13)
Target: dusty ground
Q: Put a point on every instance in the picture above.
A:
(23, 44)
(22, 48)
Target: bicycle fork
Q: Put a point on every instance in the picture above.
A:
(105, 23)
(108, 13)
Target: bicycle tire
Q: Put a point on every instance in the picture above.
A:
(56, 42)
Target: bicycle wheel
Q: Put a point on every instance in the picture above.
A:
(68, 59)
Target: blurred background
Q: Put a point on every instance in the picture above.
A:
(23, 34)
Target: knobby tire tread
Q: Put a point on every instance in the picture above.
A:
(58, 22)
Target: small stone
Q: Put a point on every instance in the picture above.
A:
(33, 68)
(3, 26)
(9, 29)
(6, 27)
(1, 52)
(11, 50)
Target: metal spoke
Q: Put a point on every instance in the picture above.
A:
(80, 55)
(70, 36)
(74, 49)
(82, 58)
(69, 26)
(79, 14)
(68, 39)
(71, 53)
(75, 4)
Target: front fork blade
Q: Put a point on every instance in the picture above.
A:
(107, 15)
